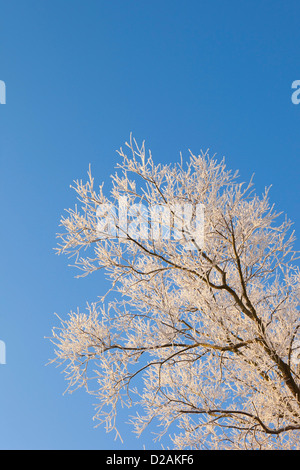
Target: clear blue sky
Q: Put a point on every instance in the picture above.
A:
(82, 75)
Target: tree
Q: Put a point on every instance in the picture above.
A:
(200, 335)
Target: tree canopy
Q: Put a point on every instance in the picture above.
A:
(203, 331)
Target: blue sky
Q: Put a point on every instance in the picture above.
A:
(80, 76)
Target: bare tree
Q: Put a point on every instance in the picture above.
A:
(200, 335)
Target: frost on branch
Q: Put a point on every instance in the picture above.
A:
(200, 338)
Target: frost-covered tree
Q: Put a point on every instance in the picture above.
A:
(200, 334)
